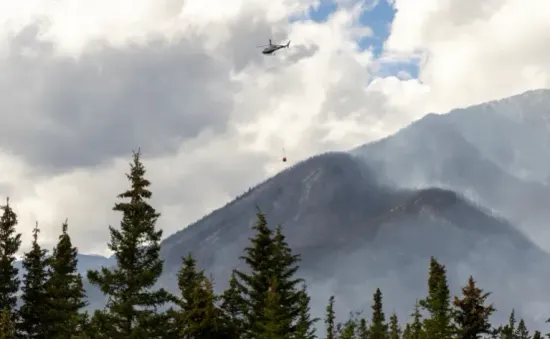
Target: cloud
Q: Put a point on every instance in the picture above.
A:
(85, 83)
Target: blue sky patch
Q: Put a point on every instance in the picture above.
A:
(378, 16)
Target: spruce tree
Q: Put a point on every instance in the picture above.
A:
(363, 329)
(273, 325)
(203, 319)
(131, 309)
(10, 241)
(509, 330)
(439, 323)
(395, 330)
(269, 258)
(349, 328)
(472, 315)
(7, 328)
(416, 330)
(65, 295)
(330, 318)
(378, 327)
(521, 331)
(32, 325)
(407, 332)
(305, 325)
(283, 269)
(255, 285)
(233, 306)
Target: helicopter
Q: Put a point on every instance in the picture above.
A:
(271, 48)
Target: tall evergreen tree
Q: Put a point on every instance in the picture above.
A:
(131, 309)
(378, 327)
(273, 325)
(65, 295)
(203, 319)
(509, 330)
(349, 328)
(439, 323)
(32, 325)
(395, 330)
(330, 318)
(10, 241)
(233, 306)
(521, 331)
(270, 259)
(472, 315)
(255, 285)
(284, 268)
(537, 335)
(416, 330)
(7, 328)
(305, 325)
(363, 329)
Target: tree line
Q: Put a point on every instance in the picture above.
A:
(267, 301)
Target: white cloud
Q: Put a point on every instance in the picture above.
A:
(85, 82)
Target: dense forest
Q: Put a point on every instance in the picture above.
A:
(267, 301)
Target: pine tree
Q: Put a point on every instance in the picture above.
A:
(363, 329)
(521, 331)
(7, 328)
(537, 335)
(395, 330)
(284, 268)
(203, 319)
(131, 310)
(471, 315)
(349, 328)
(199, 315)
(65, 293)
(9, 245)
(407, 332)
(269, 258)
(439, 325)
(34, 291)
(255, 285)
(329, 319)
(274, 324)
(509, 330)
(305, 325)
(378, 327)
(416, 330)
(233, 306)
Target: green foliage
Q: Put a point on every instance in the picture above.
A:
(395, 330)
(267, 302)
(65, 293)
(472, 315)
(330, 319)
(270, 260)
(32, 324)
(521, 331)
(439, 323)
(9, 245)
(234, 308)
(363, 329)
(305, 324)
(7, 327)
(378, 327)
(131, 309)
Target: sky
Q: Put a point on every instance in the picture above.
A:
(85, 82)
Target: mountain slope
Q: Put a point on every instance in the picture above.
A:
(478, 151)
(354, 235)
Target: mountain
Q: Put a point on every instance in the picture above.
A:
(355, 234)
(493, 153)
